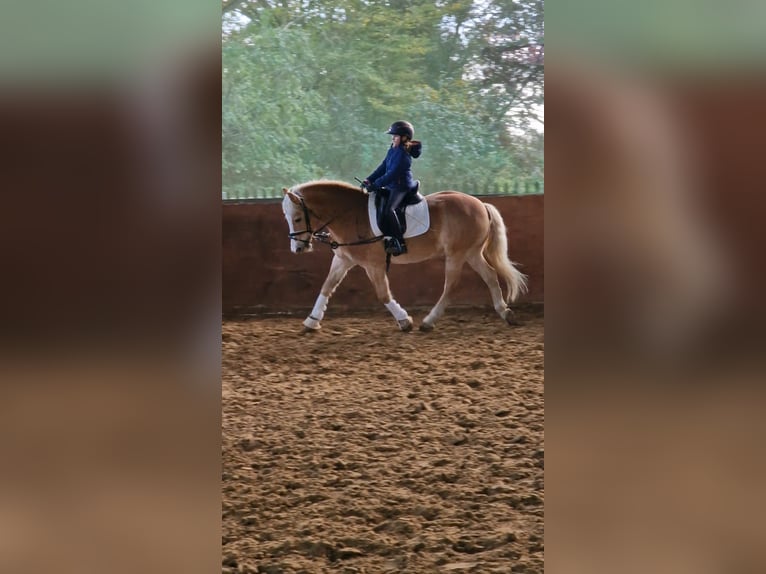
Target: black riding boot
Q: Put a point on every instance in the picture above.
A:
(390, 225)
(393, 241)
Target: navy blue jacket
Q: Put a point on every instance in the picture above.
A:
(394, 172)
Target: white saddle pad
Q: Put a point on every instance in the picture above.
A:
(418, 220)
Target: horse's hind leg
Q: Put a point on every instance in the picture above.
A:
(489, 275)
(338, 269)
(452, 268)
(379, 280)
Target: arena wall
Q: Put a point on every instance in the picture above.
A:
(260, 274)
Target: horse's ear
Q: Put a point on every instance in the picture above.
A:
(294, 198)
(284, 191)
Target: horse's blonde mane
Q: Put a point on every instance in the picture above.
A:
(321, 183)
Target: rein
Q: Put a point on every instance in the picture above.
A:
(324, 236)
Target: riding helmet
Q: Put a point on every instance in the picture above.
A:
(402, 128)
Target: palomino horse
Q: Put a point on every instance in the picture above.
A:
(462, 229)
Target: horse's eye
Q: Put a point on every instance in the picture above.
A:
(297, 220)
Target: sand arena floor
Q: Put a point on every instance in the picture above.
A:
(361, 449)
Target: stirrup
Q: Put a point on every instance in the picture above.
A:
(394, 246)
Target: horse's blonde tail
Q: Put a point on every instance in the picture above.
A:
(496, 254)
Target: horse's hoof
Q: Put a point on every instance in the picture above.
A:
(510, 318)
(406, 324)
(310, 329)
(426, 327)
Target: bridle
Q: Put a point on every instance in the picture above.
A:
(294, 234)
(323, 236)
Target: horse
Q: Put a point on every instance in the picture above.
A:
(462, 229)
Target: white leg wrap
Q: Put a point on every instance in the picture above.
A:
(317, 313)
(319, 308)
(396, 310)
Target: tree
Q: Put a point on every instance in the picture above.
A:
(310, 86)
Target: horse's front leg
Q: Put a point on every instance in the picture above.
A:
(338, 269)
(379, 280)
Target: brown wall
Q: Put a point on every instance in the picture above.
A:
(261, 274)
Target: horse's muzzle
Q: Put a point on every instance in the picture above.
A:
(301, 247)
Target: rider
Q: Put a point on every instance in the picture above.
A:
(394, 174)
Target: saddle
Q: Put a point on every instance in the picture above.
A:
(413, 197)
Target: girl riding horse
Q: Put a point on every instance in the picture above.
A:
(393, 179)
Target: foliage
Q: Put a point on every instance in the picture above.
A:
(309, 88)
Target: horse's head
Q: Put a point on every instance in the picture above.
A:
(297, 215)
